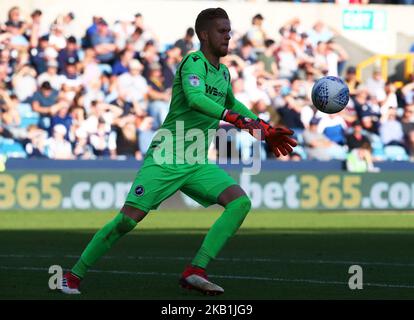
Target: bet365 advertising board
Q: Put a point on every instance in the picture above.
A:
(107, 189)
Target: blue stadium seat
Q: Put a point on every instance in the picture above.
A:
(298, 135)
(27, 121)
(377, 147)
(27, 115)
(24, 109)
(396, 153)
(300, 151)
(12, 149)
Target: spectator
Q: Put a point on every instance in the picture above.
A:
(336, 57)
(57, 38)
(333, 126)
(102, 143)
(356, 138)
(407, 120)
(376, 85)
(9, 114)
(121, 102)
(246, 52)
(137, 40)
(170, 64)
(82, 149)
(147, 34)
(89, 68)
(69, 54)
(38, 55)
(145, 133)
(351, 81)
(390, 99)
(319, 33)
(134, 85)
(127, 138)
(103, 42)
(51, 75)
(43, 102)
(24, 82)
(256, 34)
(320, 62)
(410, 144)
(159, 96)
(17, 41)
(67, 23)
(123, 30)
(70, 77)
(291, 113)
(37, 28)
(14, 19)
(186, 44)
(90, 31)
(370, 123)
(148, 56)
(240, 93)
(122, 63)
(57, 147)
(268, 58)
(35, 142)
(391, 130)
(408, 91)
(287, 63)
(318, 146)
(62, 117)
(360, 160)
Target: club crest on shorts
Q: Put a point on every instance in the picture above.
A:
(194, 80)
(139, 190)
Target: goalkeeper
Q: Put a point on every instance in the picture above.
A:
(202, 96)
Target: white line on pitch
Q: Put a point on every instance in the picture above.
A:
(232, 277)
(252, 260)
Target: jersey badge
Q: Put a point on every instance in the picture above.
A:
(194, 80)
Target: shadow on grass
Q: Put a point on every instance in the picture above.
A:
(255, 264)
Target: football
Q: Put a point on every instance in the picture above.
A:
(330, 94)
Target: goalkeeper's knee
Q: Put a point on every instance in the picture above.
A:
(124, 224)
(239, 208)
(116, 228)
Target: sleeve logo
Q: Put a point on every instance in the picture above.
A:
(194, 80)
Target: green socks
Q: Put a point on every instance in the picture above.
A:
(103, 240)
(224, 228)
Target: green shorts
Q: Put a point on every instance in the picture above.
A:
(154, 183)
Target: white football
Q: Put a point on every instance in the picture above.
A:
(330, 94)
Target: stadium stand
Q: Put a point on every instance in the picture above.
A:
(118, 78)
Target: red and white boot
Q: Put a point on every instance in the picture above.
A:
(70, 283)
(195, 278)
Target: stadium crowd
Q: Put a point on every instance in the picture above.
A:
(106, 93)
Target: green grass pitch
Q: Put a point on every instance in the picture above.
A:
(275, 255)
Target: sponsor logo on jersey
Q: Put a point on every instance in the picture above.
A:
(214, 91)
(194, 80)
(139, 190)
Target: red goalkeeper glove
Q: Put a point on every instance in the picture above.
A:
(277, 138)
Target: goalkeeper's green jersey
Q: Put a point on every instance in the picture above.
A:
(200, 94)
